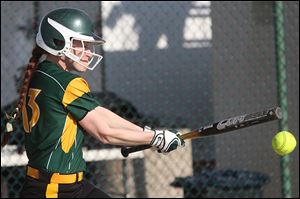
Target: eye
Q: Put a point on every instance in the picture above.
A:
(87, 45)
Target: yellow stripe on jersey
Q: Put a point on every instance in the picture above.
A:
(75, 89)
(69, 133)
(52, 190)
(33, 93)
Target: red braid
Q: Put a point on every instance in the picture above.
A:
(37, 52)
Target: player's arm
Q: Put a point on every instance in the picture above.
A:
(98, 123)
(95, 123)
(115, 121)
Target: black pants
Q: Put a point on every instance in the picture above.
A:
(36, 189)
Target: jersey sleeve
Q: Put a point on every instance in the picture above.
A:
(77, 98)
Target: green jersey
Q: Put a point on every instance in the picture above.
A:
(55, 102)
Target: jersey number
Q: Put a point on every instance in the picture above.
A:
(32, 93)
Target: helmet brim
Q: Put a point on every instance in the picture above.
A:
(93, 39)
(97, 39)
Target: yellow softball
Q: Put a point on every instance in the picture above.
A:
(284, 143)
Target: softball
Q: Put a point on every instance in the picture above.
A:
(284, 143)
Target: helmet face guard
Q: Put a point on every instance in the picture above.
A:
(89, 50)
(88, 41)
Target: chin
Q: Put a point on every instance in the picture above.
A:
(80, 68)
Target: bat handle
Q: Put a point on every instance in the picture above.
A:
(125, 151)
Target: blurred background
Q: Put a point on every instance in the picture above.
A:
(182, 65)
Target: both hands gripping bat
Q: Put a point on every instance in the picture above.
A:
(223, 126)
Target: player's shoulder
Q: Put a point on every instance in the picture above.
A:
(78, 83)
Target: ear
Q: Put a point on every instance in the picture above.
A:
(64, 58)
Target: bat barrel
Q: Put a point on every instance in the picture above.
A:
(223, 126)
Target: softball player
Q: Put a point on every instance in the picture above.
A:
(57, 110)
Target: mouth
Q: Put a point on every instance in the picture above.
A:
(84, 60)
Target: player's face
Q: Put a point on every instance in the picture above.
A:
(82, 50)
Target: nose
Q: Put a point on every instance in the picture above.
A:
(87, 49)
(88, 54)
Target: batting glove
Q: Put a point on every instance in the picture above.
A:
(166, 140)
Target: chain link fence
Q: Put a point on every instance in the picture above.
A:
(176, 65)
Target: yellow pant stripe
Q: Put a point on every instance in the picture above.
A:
(52, 190)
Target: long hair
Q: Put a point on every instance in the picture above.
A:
(37, 52)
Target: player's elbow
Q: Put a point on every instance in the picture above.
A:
(95, 123)
(108, 140)
(99, 136)
(104, 139)
(110, 136)
(105, 135)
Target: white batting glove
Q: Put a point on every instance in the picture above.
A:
(147, 129)
(166, 140)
